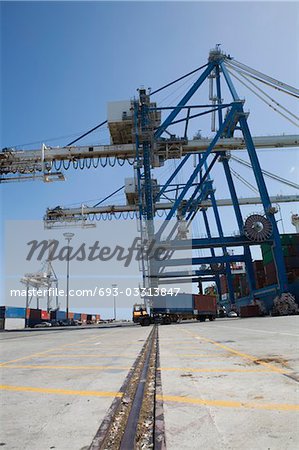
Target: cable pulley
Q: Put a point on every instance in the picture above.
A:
(257, 228)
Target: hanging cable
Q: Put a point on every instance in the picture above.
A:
(261, 98)
(266, 95)
(288, 89)
(266, 173)
(57, 164)
(179, 89)
(108, 196)
(178, 79)
(245, 182)
(87, 132)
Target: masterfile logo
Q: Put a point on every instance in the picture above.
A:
(55, 250)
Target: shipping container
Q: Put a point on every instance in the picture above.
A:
(14, 323)
(259, 273)
(223, 284)
(12, 312)
(34, 317)
(182, 301)
(205, 303)
(290, 239)
(2, 312)
(71, 315)
(270, 273)
(290, 247)
(83, 317)
(268, 257)
(45, 315)
(35, 314)
(77, 316)
(292, 262)
(169, 308)
(60, 315)
(250, 311)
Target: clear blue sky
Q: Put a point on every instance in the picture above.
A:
(63, 61)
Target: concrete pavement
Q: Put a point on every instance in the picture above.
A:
(229, 384)
(57, 387)
(225, 384)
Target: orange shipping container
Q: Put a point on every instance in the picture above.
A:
(71, 315)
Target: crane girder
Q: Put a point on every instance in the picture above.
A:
(26, 162)
(59, 214)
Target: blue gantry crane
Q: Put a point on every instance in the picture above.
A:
(140, 137)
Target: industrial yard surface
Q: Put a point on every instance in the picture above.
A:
(227, 384)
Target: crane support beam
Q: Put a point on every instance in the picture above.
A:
(186, 280)
(41, 160)
(61, 214)
(202, 260)
(190, 273)
(202, 243)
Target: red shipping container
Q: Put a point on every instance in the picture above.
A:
(45, 315)
(270, 271)
(71, 315)
(83, 317)
(250, 311)
(292, 262)
(205, 303)
(35, 313)
(223, 284)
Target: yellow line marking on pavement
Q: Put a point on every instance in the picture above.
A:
(229, 404)
(166, 398)
(240, 354)
(43, 367)
(202, 355)
(191, 369)
(61, 391)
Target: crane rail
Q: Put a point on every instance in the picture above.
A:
(134, 418)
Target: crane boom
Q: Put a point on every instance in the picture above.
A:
(59, 214)
(24, 163)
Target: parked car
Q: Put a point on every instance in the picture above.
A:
(77, 322)
(232, 314)
(43, 325)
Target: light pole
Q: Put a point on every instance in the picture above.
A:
(68, 237)
(114, 286)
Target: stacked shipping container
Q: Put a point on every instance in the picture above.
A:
(290, 247)
(12, 318)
